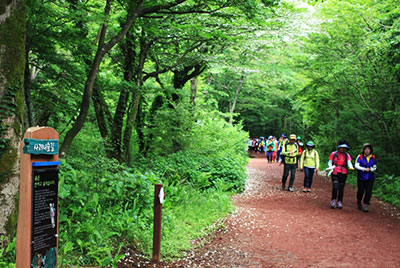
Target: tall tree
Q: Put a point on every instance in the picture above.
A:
(103, 47)
(12, 51)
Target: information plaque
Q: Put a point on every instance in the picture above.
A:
(44, 218)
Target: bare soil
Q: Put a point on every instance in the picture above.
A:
(276, 228)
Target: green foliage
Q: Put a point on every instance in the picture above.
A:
(7, 253)
(352, 89)
(170, 130)
(191, 218)
(118, 207)
(215, 153)
(387, 188)
(106, 206)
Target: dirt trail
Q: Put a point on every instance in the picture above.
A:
(276, 228)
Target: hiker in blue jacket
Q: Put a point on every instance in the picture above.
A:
(365, 165)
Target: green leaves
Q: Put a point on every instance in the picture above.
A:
(351, 80)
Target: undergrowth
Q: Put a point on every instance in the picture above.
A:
(107, 207)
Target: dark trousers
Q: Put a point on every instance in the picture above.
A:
(278, 155)
(364, 187)
(308, 176)
(338, 183)
(269, 156)
(286, 169)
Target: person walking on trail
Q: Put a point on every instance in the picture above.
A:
(261, 145)
(270, 148)
(282, 142)
(309, 161)
(365, 165)
(250, 145)
(276, 149)
(300, 147)
(339, 161)
(289, 154)
(255, 145)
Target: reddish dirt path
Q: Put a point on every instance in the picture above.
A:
(275, 228)
(300, 230)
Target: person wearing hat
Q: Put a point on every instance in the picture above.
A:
(339, 161)
(309, 161)
(365, 165)
(289, 152)
(270, 148)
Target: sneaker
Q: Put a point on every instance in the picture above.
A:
(333, 204)
(283, 186)
(340, 205)
(304, 190)
(359, 206)
(309, 190)
(290, 189)
(365, 209)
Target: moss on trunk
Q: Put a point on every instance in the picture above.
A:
(12, 63)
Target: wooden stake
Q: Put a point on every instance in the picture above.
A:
(158, 199)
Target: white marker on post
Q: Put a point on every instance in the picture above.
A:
(161, 195)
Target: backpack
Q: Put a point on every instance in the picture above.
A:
(305, 155)
(336, 155)
(361, 156)
(295, 144)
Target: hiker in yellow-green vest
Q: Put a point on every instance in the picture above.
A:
(289, 153)
(310, 162)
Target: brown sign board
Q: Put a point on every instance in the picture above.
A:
(37, 232)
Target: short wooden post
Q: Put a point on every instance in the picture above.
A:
(158, 200)
(37, 232)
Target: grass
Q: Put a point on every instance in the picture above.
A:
(192, 220)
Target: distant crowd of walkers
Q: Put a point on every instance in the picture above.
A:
(291, 152)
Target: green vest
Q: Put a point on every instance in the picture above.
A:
(290, 158)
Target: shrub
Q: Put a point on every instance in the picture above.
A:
(388, 188)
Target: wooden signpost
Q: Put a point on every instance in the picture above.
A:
(37, 232)
(158, 201)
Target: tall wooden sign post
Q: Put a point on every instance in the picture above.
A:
(37, 232)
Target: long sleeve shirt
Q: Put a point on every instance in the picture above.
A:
(310, 159)
(362, 163)
(270, 146)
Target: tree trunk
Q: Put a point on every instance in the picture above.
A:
(12, 65)
(139, 130)
(103, 115)
(187, 73)
(27, 90)
(134, 106)
(284, 123)
(233, 106)
(87, 93)
(102, 50)
(193, 92)
(120, 111)
(133, 111)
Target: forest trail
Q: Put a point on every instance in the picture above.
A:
(276, 228)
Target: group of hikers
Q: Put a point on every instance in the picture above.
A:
(291, 152)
